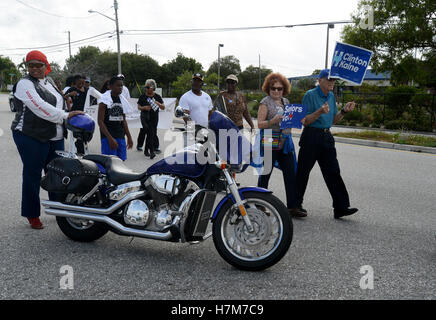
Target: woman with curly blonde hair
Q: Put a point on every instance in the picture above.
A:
(273, 140)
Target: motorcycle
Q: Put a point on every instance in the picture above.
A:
(172, 200)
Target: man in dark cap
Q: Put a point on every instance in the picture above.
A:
(318, 145)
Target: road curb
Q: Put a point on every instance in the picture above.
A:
(380, 144)
(371, 143)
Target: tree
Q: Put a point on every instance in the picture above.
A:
(305, 84)
(99, 66)
(7, 67)
(182, 84)
(176, 67)
(400, 28)
(228, 65)
(249, 78)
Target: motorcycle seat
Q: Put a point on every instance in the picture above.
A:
(117, 173)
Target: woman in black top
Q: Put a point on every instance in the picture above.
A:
(149, 104)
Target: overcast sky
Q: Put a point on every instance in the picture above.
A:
(291, 51)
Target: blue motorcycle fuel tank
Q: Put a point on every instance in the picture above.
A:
(183, 163)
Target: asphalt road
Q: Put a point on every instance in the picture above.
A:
(393, 232)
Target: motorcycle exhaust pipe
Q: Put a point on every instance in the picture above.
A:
(116, 206)
(114, 224)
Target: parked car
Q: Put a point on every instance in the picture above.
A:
(11, 99)
(11, 102)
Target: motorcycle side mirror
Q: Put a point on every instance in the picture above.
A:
(179, 112)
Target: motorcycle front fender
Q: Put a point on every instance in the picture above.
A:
(230, 197)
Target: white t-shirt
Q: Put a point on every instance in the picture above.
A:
(26, 92)
(198, 106)
(126, 93)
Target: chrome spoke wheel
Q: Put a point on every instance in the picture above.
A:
(80, 224)
(263, 241)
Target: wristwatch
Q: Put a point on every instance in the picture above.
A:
(343, 112)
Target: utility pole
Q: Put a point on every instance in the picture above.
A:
(260, 75)
(117, 30)
(136, 48)
(329, 26)
(69, 42)
(219, 65)
(118, 35)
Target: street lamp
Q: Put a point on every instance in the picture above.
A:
(329, 26)
(117, 28)
(219, 65)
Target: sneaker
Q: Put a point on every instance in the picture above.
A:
(296, 212)
(157, 151)
(35, 223)
(139, 148)
(146, 153)
(152, 155)
(339, 213)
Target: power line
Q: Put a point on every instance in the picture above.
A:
(61, 44)
(52, 14)
(185, 31)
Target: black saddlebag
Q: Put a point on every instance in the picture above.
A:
(66, 175)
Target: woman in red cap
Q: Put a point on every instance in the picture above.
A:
(38, 129)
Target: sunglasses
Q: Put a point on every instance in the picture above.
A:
(35, 65)
(276, 89)
(148, 87)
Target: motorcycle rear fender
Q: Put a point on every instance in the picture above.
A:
(241, 193)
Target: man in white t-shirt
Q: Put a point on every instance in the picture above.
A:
(197, 103)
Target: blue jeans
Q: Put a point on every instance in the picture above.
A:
(35, 156)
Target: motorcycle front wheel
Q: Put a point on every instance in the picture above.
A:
(258, 250)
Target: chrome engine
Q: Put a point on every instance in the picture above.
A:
(166, 194)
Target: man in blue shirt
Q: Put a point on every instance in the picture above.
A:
(318, 145)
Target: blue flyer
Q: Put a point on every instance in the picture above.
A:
(292, 116)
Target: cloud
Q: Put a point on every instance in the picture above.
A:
(292, 51)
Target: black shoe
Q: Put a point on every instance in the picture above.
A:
(157, 151)
(139, 148)
(300, 208)
(298, 212)
(146, 153)
(339, 213)
(152, 155)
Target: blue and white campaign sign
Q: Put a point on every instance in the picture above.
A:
(350, 63)
(292, 116)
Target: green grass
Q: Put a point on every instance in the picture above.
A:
(415, 140)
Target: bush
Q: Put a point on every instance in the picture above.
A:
(400, 124)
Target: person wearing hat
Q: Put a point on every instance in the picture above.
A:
(318, 145)
(38, 130)
(149, 103)
(232, 103)
(197, 103)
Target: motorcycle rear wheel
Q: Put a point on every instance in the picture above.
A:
(266, 245)
(81, 230)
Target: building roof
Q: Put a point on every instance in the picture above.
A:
(368, 76)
